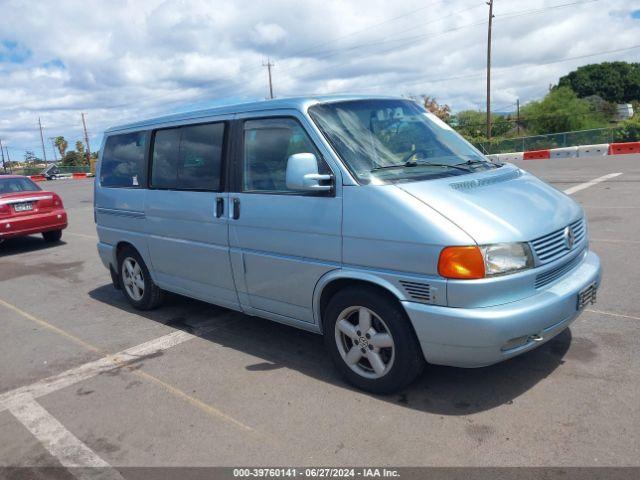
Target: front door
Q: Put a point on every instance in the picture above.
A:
(282, 240)
(186, 213)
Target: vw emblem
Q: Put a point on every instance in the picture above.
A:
(569, 238)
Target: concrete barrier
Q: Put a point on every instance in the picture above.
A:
(593, 150)
(624, 148)
(510, 157)
(566, 152)
(536, 155)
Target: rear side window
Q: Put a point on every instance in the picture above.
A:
(188, 158)
(123, 160)
(15, 185)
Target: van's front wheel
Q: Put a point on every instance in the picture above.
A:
(371, 340)
(136, 282)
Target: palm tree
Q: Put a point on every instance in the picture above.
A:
(61, 145)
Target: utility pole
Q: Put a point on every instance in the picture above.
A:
(6, 149)
(44, 153)
(518, 115)
(86, 141)
(490, 3)
(269, 65)
(4, 166)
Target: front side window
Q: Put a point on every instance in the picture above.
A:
(16, 185)
(268, 144)
(188, 158)
(385, 141)
(123, 160)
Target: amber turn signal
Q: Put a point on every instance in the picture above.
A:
(461, 262)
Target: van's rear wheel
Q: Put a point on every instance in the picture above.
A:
(136, 282)
(371, 340)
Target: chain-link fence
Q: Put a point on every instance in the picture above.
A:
(61, 170)
(553, 140)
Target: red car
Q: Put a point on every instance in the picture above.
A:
(26, 209)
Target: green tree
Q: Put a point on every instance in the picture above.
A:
(29, 156)
(628, 131)
(561, 111)
(61, 145)
(80, 147)
(72, 159)
(472, 124)
(617, 82)
(443, 112)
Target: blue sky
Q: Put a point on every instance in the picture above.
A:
(124, 60)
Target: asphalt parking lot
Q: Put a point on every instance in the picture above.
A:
(204, 386)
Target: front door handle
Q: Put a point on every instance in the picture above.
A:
(219, 207)
(236, 208)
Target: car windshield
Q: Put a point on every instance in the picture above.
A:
(17, 185)
(388, 141)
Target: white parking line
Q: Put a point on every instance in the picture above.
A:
(91, 369)
(62, 444)
(612, 314)
(591, 183)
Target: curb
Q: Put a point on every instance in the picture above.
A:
(599, 150)
(62, 176)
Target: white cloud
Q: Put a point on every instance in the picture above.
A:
(268, 33)
(124, 59)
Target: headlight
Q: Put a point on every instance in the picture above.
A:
(504, 258)
(473, 262)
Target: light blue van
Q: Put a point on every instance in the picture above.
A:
(365, 219)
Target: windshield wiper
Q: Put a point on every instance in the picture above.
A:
(416, 164)
(475, 162)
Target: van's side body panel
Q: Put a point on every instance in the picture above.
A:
(189, 246)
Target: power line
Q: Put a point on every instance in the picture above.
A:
(561, 60)
(405, 40)
(295, 53)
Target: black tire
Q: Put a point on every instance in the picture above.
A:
(152, 294)
(52, 236)
(408, 362)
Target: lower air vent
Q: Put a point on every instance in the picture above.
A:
(420, 292)
(555, 273)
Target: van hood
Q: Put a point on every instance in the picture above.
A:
(505, 204)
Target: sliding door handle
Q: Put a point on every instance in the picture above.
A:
(219, 207)
(236, 208)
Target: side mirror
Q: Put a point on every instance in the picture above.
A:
(302, 174)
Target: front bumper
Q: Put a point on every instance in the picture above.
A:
(31, 224)
(476, 337)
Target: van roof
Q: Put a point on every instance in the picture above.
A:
(296, 103)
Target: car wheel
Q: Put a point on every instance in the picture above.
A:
(136, 282)
(52, 236)
(371, 340)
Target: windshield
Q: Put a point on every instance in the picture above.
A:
(16, 185)
(384, 141)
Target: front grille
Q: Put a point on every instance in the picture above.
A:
(552, 246)
(420, 292)
(549, 276)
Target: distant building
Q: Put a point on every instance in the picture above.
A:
(624, 112)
